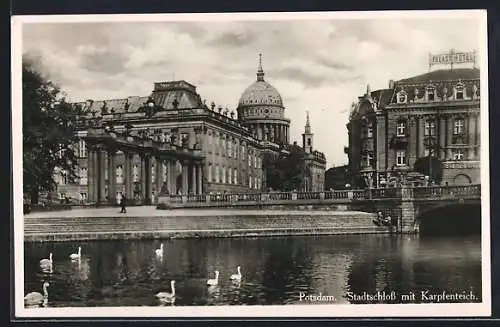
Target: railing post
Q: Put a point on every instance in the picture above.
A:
(207, 198)
(350, 195)
(294, 195)
(322, 195)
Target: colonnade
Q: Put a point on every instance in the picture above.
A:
(277, 133)
(155, 174)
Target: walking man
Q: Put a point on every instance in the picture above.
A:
(123, 204)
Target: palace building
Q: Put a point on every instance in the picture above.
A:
(434, 115)
(172, 142)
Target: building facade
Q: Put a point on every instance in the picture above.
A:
(434, 115)
(173, 142)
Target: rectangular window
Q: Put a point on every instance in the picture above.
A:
(164, 171)
(458, 154)
(135, 173)
(83, 176)
(209, 172)
(235, 178)
(400, 158)
(243, 153)
(82, 148)
(223, 173)
(459, 126)
(255, 161)
(229, 175)
(430, 128)
(460, 93)
(229, 149)
(369, 131)
(250, 181)
(217, 173)
(249, 160)
(368, 159)
(400, 129)
(119, 174)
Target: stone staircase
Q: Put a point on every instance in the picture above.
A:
(130, 227)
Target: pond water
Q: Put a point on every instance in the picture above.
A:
(274, 270)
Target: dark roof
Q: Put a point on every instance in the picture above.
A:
(384, 97)
(444, 75)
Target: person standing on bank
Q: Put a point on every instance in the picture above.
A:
(123, 204)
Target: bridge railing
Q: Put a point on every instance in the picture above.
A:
(425, 192)
(454, 191)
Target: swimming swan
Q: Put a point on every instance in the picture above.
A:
(46, 263)
(35, 298)
(159, 252)
(166, 296)
(78, 255)
(236, 277)
(214, 282)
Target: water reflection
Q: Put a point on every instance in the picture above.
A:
(274, 270)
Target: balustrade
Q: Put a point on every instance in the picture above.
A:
(432, 192)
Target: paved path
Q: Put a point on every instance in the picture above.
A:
(151, 211)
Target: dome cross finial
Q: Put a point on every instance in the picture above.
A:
(260, 71)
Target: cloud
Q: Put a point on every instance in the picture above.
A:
(317, 65)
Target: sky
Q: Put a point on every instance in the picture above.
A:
(317, 65)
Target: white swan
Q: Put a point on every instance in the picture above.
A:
(46, 263)
(215, 281)
(159, 252)
(236, 277)
(167, 296)
(35, 298)
(78, 255)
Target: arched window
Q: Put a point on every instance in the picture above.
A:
(430, 92)
(459, 91)
(119, 174)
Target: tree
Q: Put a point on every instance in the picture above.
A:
(286, 172)
(49, 126)
(430, 166)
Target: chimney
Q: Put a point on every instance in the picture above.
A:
(391, 83)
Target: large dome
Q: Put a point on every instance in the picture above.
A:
(260, 93)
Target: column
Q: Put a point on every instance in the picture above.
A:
(449, 135)
(412, 143)
(159, 175)
(111, 177)
(149, 184)
(185, 173)
(101, 172)
(130, 180)
(168, 166)
(471, 139)
(193, 178)
(477, 136)
(173, 176)
(442, 138)
(143, 177)
(199, 184)
(91, 175)
(126, 175)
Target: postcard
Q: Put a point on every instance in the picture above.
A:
(320, 164)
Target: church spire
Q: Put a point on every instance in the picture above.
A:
(260, 71)
(368, 90)
(307, 128)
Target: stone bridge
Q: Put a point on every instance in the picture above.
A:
(410, 205)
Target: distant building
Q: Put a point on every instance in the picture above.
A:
(214, 150)
(434, 114)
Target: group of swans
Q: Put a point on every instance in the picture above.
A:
(234, 277)
(35, 298)
(170, 296)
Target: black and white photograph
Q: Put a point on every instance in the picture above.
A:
(320, 164)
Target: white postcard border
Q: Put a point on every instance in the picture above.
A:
(333, 310)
